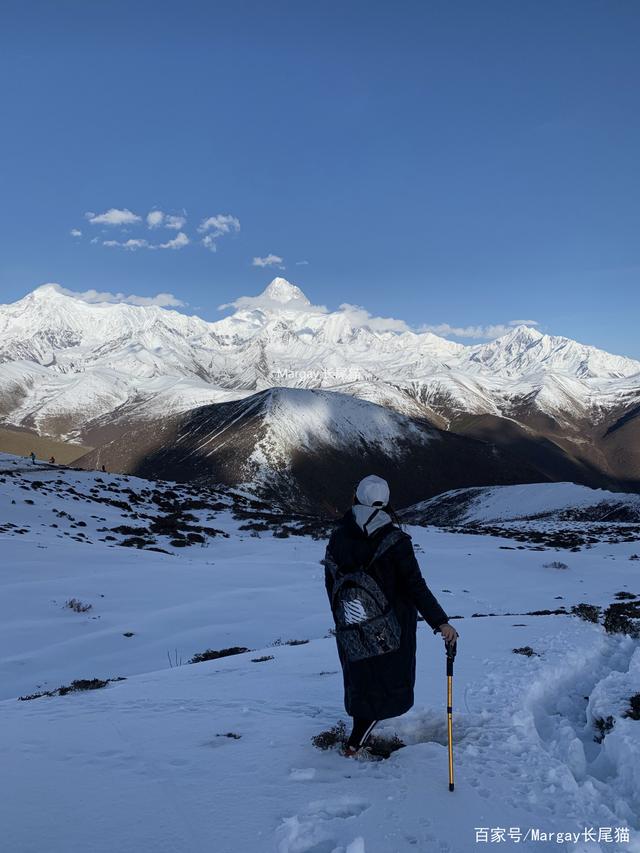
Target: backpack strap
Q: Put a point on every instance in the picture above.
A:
(329, 563)
(387, 541)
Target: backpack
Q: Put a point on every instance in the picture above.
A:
(366, 625)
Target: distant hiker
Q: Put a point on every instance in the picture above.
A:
(52, 460)
(32, 456)
(103, 469)
(375, 587)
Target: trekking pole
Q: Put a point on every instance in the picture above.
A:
(451, 653)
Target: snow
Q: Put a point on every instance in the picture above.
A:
(514, 502)
(146, 764)
(95, 358)
(517, 352)
(298, 419)
(522, 502)
(281, 290)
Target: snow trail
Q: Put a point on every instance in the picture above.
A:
(218, 756)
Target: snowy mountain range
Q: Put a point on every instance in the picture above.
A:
(75, 370)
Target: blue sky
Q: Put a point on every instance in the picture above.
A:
(456, 163)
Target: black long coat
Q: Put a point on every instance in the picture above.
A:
(381, 687)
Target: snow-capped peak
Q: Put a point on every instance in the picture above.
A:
(521, 334)
(526, 351)
(66, 344)
(45, 291)
(281, 290)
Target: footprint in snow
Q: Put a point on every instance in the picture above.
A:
(302, 774)
(311, 830)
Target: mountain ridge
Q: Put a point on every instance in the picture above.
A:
(305, 448)
(74, 370)
(66, 320)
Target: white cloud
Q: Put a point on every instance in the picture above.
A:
(302, 263)
(175, 222)
(155, 218)
(163, 300)
(179, 242)
(214, 227)
(75, 232)
(159, 219)
(355, 316)
(489, 332)
(222, 223)
(130, 245)
(113, 216)
(268, 261)
(359, 316)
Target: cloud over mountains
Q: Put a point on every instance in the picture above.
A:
(122, 220)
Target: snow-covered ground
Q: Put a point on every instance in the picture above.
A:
(548, 504)
(217, 757)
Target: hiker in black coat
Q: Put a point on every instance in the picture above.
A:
(376, 614)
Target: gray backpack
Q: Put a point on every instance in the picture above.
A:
(366, 625)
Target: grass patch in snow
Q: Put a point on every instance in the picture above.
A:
(588, 612)
(603, 725)
(214, 654)
(380, 746)
(527, 651)
(77, 606)
(634, 708)
(623, 617)
(332, 738)
(78, 686)
(136, 542)
(383, 746)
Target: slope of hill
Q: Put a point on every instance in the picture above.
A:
(307, 449)
(543, 515)
(218, 755)
(23, 442)
(540, 502)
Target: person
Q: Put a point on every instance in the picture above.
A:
(32, 456)
(52, 460)
(376, 589)
(103, 469)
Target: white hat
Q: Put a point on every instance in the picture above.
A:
(373, 491)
